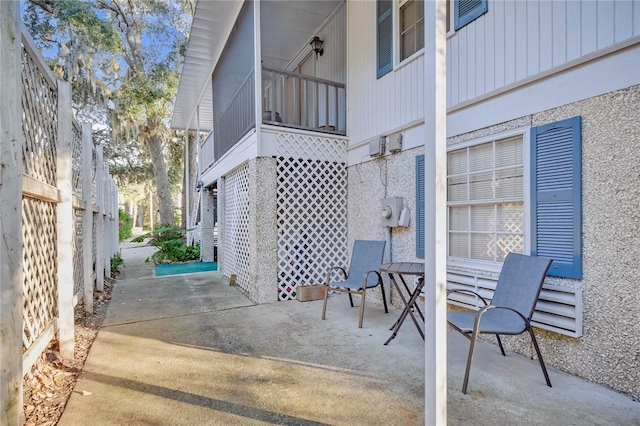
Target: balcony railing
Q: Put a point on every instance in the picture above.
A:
(234, 121)
(303, 102)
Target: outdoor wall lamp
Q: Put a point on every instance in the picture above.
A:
(199, 185)
(316, 45)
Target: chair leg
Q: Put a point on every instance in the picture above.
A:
(535, 345)
(364, 290)
(350, 299)
(472, 347)
(324, 305)
(500, 344)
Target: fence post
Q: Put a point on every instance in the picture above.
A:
(99, 220)
(11, 297)
(65, 220)
(87, 217)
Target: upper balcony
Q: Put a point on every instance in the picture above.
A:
(250, 64)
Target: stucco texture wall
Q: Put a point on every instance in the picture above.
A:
(263, 257)
(392, 175)
(609, 350)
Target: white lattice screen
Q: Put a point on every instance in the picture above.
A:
(236, 232)
(312, 210)
(39, 266)
(78, 243)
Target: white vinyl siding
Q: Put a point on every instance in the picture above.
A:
(376, 106)
(516, 40)
(485, 200)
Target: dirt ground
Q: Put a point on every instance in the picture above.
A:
(49, 384)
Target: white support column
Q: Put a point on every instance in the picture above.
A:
(87, 218)
(100, 220)
(65, 220)
(115, 230)
(435, 119)
(187, 183)
(11, 297)
(105, 228)
(257, 72)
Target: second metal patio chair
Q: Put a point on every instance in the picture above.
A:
(511, 308)
(363, 274)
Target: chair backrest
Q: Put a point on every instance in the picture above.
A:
(520, 282)
(366, 256)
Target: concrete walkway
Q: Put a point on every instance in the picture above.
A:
(190, 350)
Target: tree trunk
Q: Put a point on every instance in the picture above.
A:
(165, 202)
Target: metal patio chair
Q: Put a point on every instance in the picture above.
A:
(363, 274)
(511, 308)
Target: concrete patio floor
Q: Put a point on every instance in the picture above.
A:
(190, 349)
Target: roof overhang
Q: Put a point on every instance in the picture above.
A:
(211, 26)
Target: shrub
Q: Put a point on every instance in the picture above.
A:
(170, 241)
(125, 224)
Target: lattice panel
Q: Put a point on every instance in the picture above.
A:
(293, 145)
(39, 123)
(78, 241)
(39, 266)
(76, 165)
(94, 185)
(312, 221)
(236, 235)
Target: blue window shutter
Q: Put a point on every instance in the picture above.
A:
(420, 207)
(385, 37)
(556, 191)
(466, 11)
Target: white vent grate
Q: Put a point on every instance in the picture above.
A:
(559, 309)
(236, 236)
(312, 221)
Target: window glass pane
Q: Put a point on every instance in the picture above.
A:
(509, 183)
(509, 243)
(509, 152)
(408, 46)
(459, 245)
(411, 28)
(483, 218)
(483, 246)
(459, 218)
(481, 186)
(457, 188)
(457, 162)
(510, 218)
(481, 225)
(481, 157)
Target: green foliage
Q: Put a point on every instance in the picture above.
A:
(116, 263)
(125, 223)
(170, 241)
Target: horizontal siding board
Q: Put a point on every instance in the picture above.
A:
(516, 40)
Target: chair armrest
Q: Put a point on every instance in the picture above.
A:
(366, 275)
(481, 312)
(331, 269)
(464, 290)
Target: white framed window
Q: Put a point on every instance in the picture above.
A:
(410, 28)
(486, 199)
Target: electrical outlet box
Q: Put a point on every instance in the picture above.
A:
(394, 143)
(390, 211)
(376, 146)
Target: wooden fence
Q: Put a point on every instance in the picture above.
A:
(60, 235)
